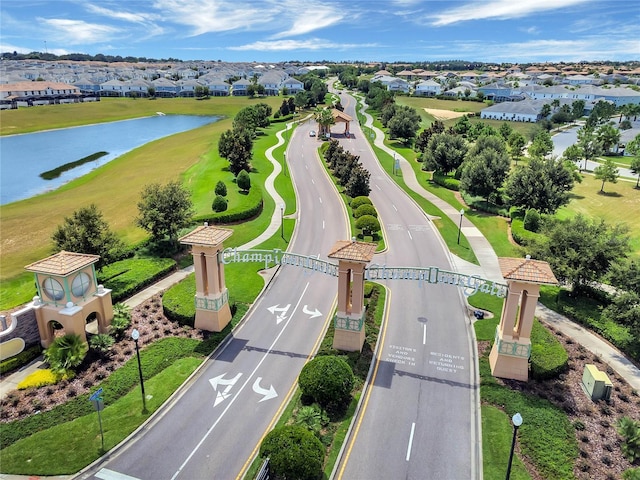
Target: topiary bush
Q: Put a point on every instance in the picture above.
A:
(359, 201)
(368, 224)
(219, 204)
(221, 189)
(548, 357)
(365, 210)
(294, 452)
(244, 181)
(65, 353)
(532, 220)
(328, 380)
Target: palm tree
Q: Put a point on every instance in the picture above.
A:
(325, 119)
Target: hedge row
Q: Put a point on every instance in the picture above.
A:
(519, 234)
(19, 360)
(548, 357)
(446, 181)
(234, 215)
(126, 277)
(154, 359)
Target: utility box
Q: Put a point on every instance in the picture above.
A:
(596, 384)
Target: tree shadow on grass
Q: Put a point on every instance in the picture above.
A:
(609, 194)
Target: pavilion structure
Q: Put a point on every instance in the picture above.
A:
(352, 258)
(212, 297)
(509, 357)
(69, 294)
(341, 117)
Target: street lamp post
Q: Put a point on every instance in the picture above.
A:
(460, 225)
(282, 220)
(135, 334)
(517, 421)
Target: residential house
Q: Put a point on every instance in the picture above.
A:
(428, 88)
(524, 111)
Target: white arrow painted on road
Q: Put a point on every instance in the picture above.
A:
(282, 312)
(314, 313)
(220, 380)
(267, 394)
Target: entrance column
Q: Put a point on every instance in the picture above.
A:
(352, 258)
(212, 297)
(509, 357)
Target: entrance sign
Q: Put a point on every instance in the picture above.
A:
(469, 283)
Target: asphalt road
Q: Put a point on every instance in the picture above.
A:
(213, 428)
(419, 417)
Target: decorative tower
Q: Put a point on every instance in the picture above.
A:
(352, 258)
(509, 357)
(212, 297)
(68, 293)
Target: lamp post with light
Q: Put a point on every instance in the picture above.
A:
(282, 220)
(517, 421)
(135, 335)
(460, 225)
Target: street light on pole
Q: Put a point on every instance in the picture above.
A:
(135, 335)
(282, 220)
(517, 421)
(460, 225)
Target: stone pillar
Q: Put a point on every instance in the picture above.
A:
(509, 357)
(352, 257)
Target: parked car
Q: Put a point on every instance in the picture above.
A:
(312, 133)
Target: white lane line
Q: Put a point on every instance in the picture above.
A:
(378, 187)
(409, 234)
(320, 199)
(312, 181)
(237, 395)
(424, 334)
(413, 429)
(106, 474)
(305, 166)
(394, 207)
(323, 224)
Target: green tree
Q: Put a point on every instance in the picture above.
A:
(221, 189)
(608, 136)
(358, 183)
(244, 181)
(65, 353)
(324, 117)
(607, 172)
(633, 149)
(577, 109)
(368, 224)
(516, 142)
(484, 173)
(462, 126)
(294, 453)
(542, 145)
(236, 146)
(327, 379)
(545, 111)
(588, 143)
(444, 153)
(404, 124)
(505, 131)
(543, 184)
(86, 231)
(573, 153)
(301, 99)
(164, 210)
(219, 204)
(579, 250)
(365, 209)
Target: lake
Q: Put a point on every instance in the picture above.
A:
(24, 157)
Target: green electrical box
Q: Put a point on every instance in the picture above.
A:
(596, 384)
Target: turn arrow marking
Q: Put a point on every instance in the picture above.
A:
(314, 313)
(282, 312)
(220, 380)
(267, 394)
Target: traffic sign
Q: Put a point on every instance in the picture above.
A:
(96, 394)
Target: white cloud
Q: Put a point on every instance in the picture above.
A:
(498, 9)
(78, 32)
(303, 22)
(142, 18)
(531, 30)
(309, 44)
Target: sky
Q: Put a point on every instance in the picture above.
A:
(509, 31)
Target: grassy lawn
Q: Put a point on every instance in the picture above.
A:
(497, 434)
(619, 204)
(115, 187)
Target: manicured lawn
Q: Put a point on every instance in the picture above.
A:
(497, 434)
(619, 204)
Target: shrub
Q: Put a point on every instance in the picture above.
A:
(221, 189)
(368, 224)
(365, 210)
(66, 353)
(310, 417)
(327, 379)
(219, 204)
(294, 452)
(629, 430)
(129, 276)
(244, 181)
(631, 474)
(516, 212)
(101, 342)
(520, 235)
(532, 220)
(359, 201)
(548, 357)
(40, 378)
(19, 360)
(446, 181)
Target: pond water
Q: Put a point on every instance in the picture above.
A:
(24, 157)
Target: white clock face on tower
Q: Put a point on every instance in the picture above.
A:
(53, 289)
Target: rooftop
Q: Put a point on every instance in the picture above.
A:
(207, 236)
(353, 251)
(62, 263)
(527, 270)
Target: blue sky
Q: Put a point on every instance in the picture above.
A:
(515, 31)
